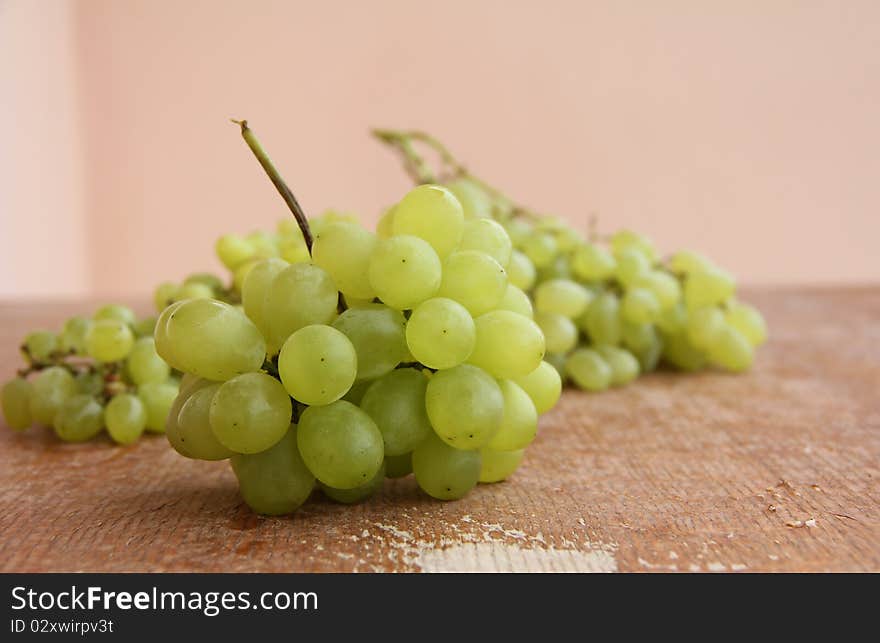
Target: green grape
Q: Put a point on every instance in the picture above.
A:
(109, 340)
(404, 271)
(294, 250)
(444, 472)
(518, 230)
(639, 306)
(210, 339)
(317, 365)
(90, 383)
(441, 333)
(288, 227)
(79, 418)
(560, 333)
(116, 311)
(385, 225)
(624, 240)
(144, 327)
(703, 325)
(300, 295)
(624, 365)
(157, 398)
(211, 281)
(541, 249)
(562, 297)
(378, 334)
(543, 385)
(632, 266)
(194, 429)
(188, 387)
(649, 356)
(73, 335)
(357, 391)
(496, 466)
(593, 263)
(557, 362)
(254, 288)
(396, 402)
(475, 203)
(681, 353)
(473, 279)
(340, 444)
(489, 237)
(432, 213)
(241, 273)
(731, 350)
(195, 290)
(602, 319)
(249, 413)
(663, 286)
(521, 271)
(398, 466)
(516, 301)
(126, 418)
(144, 364)
(15, 400)
(567, 239)
(556, 269)
(51, 388)
(359, 493)
(164, 295)
(638, 336)
(707, 288)
(275, 481)
(748, 321)
(233, 250)
(344, 250)
(508, 345)
(40, 345)
(588, 370)
(519, 422)
(160, 334)
(465, 406)
(674, 319)
(685, 262)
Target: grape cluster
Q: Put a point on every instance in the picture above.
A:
(99, 372)
(609, 309)
(374, 355)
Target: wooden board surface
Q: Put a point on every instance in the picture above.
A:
(776, 470)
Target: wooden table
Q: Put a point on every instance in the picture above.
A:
(776, 470)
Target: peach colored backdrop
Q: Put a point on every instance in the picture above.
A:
(745, 128)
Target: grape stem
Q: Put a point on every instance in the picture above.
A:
(248, 134)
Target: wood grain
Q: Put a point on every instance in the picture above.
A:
(776, 470)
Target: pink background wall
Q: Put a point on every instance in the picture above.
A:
(745, 128)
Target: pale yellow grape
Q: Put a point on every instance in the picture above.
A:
(560, 333)
(624, 365)
(496, 466)
(300, 295)
(249, 413)
(707, 288)
(731, 350)
(508, 345)
(385, 225)
(703, 325)
(189, 384)
(488, 236)
(562, 297)
(344, 249)
(593, 263)
(519, 422)
(293, 250)
(378, 334)
(588, 370)
(194, 426)
(212, 281)
(40, 345)
(639, 306)
(465, 406)
(144, 364)
(748, 321)
(317, 365)
(242, 271)
(518, 230)
(686, 261)
(517, 301)
(15, 400)
(674, 319)
(211, 339)
(681, 353)
(233, 250)
(164, 295)
(473, 279)
(432, 213)
(109, 340)
(475, 203)
(441, 333)
(632, 266)
(160, 334)
(73, 335)
(602, 319)
(543, 385)
(50, 389)
(404, 271)
(521, 271)
(567, 239)
(79, 418)
(664, 287)
(540, 248)
(556, 269)
(117, 312)
(255, 286)
(625, 239)
(126, 418)
(158, 397)
(288, 228)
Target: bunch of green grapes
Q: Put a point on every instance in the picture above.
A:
(373, 355)
(99, 372)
